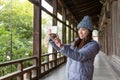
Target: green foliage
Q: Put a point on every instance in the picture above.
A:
(22, 32)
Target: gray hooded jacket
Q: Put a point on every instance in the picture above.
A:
(80, 62)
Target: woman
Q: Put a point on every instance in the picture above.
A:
(81, 53)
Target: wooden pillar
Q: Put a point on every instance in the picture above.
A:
(113, 30)
(114, 12)
(106, 40)
(37, 37)
(118, 26)
(63, 25)
(76, 29)
(103, 40)
(69, 32)
(118, 22)
(109, 36)
(73, 30)
(114, 26)
(54, 23)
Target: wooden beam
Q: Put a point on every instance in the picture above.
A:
(88, 9)
(62, 2)
(91, 12)
(35, 2)
(85, 8)
(85, 5)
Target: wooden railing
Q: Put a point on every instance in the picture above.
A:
(21, 72)
(51, 61)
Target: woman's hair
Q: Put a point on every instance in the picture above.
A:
(81, 42)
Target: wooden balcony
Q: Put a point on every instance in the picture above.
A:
(105, 15)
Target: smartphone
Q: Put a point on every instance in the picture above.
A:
(54, 30)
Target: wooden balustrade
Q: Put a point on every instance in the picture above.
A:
(49, 63)
(19, 74)
(30, 72)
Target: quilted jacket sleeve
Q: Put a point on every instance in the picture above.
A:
(89, 51)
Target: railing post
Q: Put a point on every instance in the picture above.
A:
(20, 67)
(28, 76)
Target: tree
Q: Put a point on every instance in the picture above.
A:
(22, 30)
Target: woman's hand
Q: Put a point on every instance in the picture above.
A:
(57, 42)
(55, 39)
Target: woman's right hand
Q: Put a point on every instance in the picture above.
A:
(57, 42)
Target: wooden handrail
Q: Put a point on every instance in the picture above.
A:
(10, 75)
(16, 73)
(21, 71)
(47, 54)
(16, 61)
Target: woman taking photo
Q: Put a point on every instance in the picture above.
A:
(81, 53)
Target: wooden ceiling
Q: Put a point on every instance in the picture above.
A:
(80, 8)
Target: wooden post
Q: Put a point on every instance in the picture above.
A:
(110, 36)
(37, 37)
(113, 32)
(69, 32)
(20, 67)
(54, 23)
(63, 25)
(72, 29)
(55, 12)
(118, 22)
(76, 29)
(72, 32)
(114, 25)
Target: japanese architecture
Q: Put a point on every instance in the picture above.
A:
(105, 15)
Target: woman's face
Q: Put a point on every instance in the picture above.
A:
(83, 32)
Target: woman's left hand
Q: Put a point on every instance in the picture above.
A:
(57, 42)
